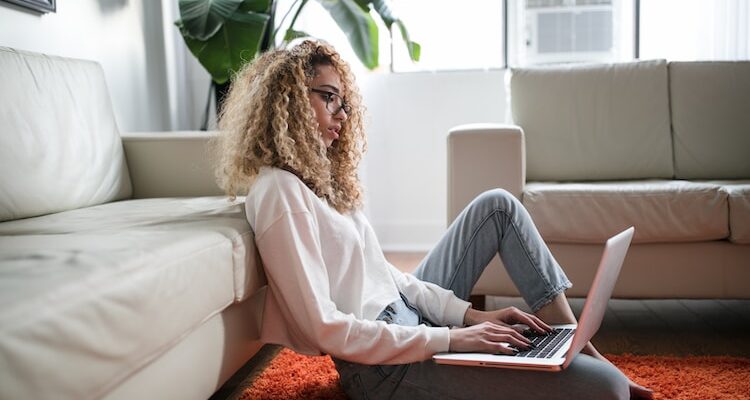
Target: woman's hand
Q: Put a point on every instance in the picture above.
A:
(487, 337)
(507, 317)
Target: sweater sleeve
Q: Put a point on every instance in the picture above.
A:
(293, 261)
(438, 304)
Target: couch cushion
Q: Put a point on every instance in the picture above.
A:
(661, 211)
(59, 148)
(89, 296)
(594, 122)
(711, 119)
(739, 209)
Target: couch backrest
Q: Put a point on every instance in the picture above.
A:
(710, 119)
(594, 122)
(59, 147)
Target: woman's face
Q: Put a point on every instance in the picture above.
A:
(325, 98)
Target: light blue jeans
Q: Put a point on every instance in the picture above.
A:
(495, 222)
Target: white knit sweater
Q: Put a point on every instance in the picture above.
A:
(328, 280)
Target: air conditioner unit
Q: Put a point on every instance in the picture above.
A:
(569, 31)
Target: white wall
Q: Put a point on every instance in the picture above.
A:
(405, 167)
(124, 36)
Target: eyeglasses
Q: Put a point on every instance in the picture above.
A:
(334, 102)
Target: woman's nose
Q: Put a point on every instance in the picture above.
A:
(341, 115)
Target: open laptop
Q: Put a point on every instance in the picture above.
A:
(554, 352)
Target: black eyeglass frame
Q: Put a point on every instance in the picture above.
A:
(329, 99)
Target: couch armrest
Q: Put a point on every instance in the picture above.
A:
(170, 164)
(483, 157)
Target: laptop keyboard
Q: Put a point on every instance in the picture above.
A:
(546, 345)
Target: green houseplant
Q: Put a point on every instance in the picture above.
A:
(225, 34)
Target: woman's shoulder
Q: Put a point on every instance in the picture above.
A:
(275, 191)
(272, 178)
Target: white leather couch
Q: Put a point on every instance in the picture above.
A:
(594, 149)
(124, 273)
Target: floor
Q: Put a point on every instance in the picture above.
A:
(657, 327)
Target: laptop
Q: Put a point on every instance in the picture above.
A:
(554, 352)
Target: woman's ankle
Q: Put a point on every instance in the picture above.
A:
(590, 350)
(557, 311)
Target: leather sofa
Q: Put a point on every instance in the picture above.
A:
(124, 273)
(593, 149)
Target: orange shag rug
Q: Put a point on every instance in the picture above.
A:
(294, 376)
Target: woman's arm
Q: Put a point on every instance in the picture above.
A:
(440, 305)
(296, 273)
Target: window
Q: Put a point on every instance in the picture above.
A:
(555, 31)
(695, 29)
(472, 35)
(488, 34)
(454, 35)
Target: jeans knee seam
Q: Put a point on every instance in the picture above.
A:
(534, 263)
(473, 236)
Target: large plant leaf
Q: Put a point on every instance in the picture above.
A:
(385, 12)
(415, 49)
(236, 43)
(201, 19)
(259, 6)
(364, 5)
(389, 18)
(359, 28)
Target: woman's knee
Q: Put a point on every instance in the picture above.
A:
(495, 199)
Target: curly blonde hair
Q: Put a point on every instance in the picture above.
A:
(267, 120)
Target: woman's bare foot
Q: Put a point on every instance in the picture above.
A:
(636, 391)
(640, 392)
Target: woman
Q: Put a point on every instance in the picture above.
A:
(293, 135)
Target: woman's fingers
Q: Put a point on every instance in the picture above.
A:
(488, 337)
(501, 348)
(520, 328)
(513, 341)
(497, 333)
(537, 324)
(532, 321)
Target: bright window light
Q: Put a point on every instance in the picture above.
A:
(695, 29)
(453, 35)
